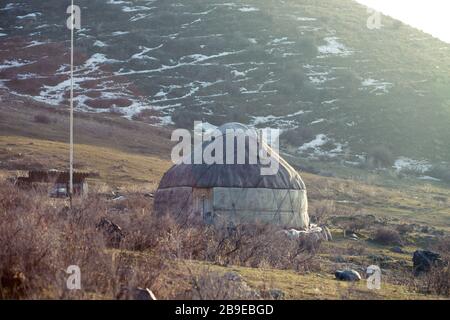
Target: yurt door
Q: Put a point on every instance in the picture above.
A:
(202, 202)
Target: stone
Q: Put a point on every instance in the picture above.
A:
(112, 231)
(347, 275)
(276, 294)
(353, 237)
(424, 260)
(143, 294)
(397, 250)
(232, 276)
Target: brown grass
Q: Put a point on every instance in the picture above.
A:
(387, 236)
(40, 237)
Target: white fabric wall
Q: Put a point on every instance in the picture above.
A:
(285, 207)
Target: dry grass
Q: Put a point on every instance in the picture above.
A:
(387, 236)
(40, 237)
(116, 168)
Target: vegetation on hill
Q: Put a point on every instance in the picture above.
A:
(41, 237)
(308, 64)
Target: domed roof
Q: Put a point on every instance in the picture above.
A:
(233, 175)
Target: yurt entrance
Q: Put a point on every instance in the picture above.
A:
(203, 202)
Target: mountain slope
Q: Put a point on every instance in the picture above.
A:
(287, 64)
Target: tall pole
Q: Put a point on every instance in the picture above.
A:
(71, 106)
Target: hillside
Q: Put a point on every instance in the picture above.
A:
(305, 64)
(419, 212)
(131, 157)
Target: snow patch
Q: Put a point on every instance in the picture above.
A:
(318, 121)
(7, 64)
(237, 74)
(248, 9)
(119, 33)
(100, 44)
(33, 15)
(305, 19)
(428, 178)
(378, 87)
(266, 119)
(318, 141)
(334, 47)
(404, 163)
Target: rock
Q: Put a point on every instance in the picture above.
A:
(353, 236)
(232, 276)
(339, 259)
(397, 250)
(424, 229)
(119, 198)
(347, 275)
(313, 233)
(294, 234)
(276, 294)
(424, 260)
(143, 294)
(111, 231)
(137, 293)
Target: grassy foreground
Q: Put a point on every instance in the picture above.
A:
(383, 210)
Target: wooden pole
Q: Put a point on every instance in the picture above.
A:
(71, 107)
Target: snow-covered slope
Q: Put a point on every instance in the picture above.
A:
(286, 64)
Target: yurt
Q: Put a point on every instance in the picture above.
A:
(234, 192)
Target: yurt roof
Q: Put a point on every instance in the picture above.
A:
(232, 175)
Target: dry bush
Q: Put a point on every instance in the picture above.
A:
(257, 245)
(356, 225)
(42, 118)
(252, 245)
(387, 236)
(405, 228)
(321, 210)
(356, 249)
(40, 238)
(297, 137)
(437, 281)
(380, 157)
(211, 285)
(442, 245)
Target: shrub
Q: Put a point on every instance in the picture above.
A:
(436, 281)
(214, 286)
(308, 47)
(298, 136)
(41, 118)
(405, 228)
(40, 239)
(380, 157)
(321, 210)
(441, 172)
(387, 236)
(185, 119)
